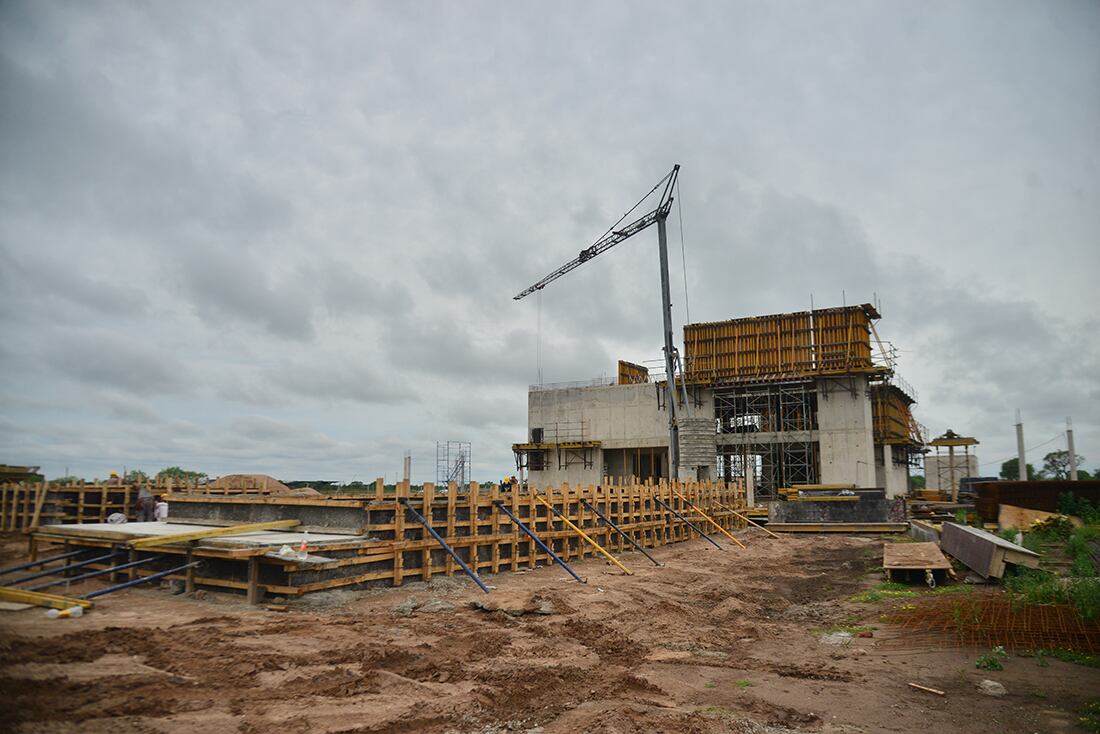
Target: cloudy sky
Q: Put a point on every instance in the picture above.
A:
(285, 237)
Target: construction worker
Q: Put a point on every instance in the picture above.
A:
(146, 504)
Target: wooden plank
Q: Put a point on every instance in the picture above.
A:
(839, 527)
(452, 499)
(156, 540)
(426, 511)
(913, 557)
(253, 592)
(38, 501)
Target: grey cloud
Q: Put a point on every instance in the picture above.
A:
(104, 360)
(304, 214)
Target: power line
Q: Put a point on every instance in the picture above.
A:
(1030, 448)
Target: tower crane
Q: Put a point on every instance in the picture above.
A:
(614, 236)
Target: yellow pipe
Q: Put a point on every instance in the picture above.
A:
(37, 598)
(707, 518)
(748, 520)
(156, 540)
(581, 533)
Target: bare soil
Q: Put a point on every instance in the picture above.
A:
(712, 641)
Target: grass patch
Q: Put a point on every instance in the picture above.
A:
(870, 597)
(892, 586)
(1066, 656)
(716, 711)
(1033, 586)
(744, 683)
(710, 684)
(1090, 717)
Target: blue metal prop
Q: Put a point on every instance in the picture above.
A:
(43, 561)
(142, 580)
(52, 571)
(439, 539)
(689, 523)
(544, 546)
(93, 574)
(619, 530)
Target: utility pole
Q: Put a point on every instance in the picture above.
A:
(1069, 446)
(1020, 446)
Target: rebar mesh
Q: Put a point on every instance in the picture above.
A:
(986, 619)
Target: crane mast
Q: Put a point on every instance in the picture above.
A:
(614, 236)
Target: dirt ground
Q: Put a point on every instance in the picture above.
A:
(712, 641)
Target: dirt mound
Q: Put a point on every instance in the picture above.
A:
(251, 481)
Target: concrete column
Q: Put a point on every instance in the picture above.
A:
(1020, 447)
(750, 486)
(888, 470)
(1072, 453)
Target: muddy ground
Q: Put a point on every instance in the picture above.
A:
(712, 641)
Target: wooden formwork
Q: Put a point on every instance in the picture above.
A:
(391, 547)
(26, 505)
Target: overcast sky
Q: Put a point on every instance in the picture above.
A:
(284, 237)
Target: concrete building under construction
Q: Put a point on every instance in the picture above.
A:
(781, 400)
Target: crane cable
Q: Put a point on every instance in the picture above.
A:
(683, 255)
(638, 204)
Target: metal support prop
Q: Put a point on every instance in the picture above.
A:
(92, 574)
(581, 533)
(439, 539)
(619, 530)
(706, 517)
(530, 533)
(69, 567)
(142, 580)
(689, 523)
(43, 561)
(749, 520)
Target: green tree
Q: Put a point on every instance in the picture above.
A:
(177, 474)
(135, 475)
(1011, 470)
(1056, 464)
(916, 481)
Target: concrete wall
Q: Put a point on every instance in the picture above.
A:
(619, 417)
(890, 475)
(845, 435)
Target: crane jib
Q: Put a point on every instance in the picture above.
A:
(609, 240)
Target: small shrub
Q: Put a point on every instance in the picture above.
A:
(1090, 717)
(744, 683)
(992, 659)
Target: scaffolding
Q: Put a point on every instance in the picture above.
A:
(452, 463)
(767, 431)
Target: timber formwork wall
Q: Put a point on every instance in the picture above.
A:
(781, 346)
(24, 506)
(393, 547)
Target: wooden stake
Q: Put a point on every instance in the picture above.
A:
(927, 689)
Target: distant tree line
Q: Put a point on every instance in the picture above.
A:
(1055, 466)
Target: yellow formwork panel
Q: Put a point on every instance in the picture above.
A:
(892, 417)
(806, 343)
(632, 374)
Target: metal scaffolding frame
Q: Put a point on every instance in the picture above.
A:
(775, 409)
(452, 463)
